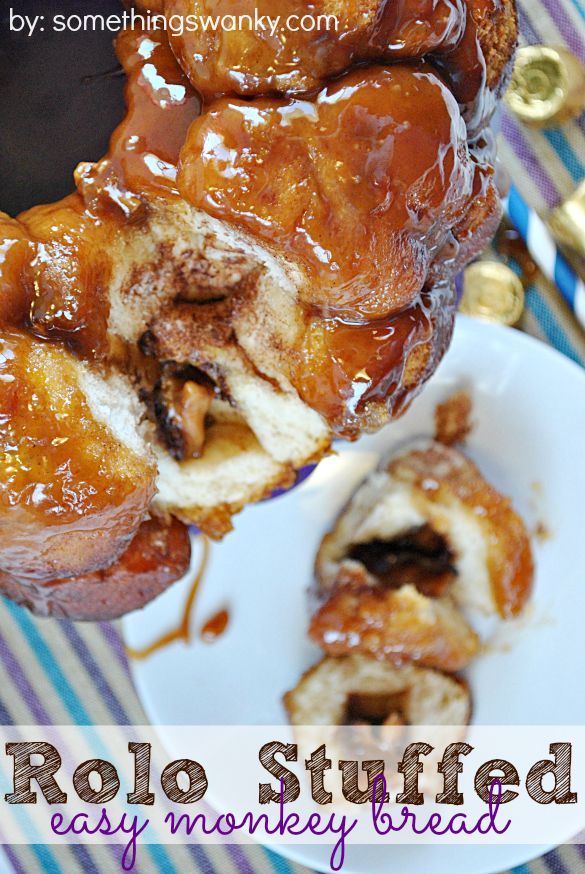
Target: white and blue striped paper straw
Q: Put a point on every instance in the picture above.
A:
(545, 252)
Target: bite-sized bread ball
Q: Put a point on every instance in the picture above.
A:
(297, 48)
(158, 555)
(76, 479)
(423, 537)
(292, 49)
(361, 186)
(395, 624)
(339, 691)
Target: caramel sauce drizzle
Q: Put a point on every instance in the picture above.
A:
(144, 148)
(215, 626)
(183, 630)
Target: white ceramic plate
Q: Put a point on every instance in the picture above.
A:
(529, 405)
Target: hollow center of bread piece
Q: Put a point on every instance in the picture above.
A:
(420, 557)
(375, 709)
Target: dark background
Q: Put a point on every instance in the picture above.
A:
(61, 95)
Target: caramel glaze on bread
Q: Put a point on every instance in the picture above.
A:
(470, 40)
(238, 282)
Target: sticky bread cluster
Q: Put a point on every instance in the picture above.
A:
(263, 262)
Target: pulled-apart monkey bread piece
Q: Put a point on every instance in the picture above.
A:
(424, 536)
(341, 691)
(75, 481)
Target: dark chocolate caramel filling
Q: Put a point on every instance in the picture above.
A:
(374, 709)
(420, 558)
(179, 404)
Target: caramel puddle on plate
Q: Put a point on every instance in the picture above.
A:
(183, 631)
(215, 626)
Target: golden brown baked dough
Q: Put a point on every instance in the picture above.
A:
(453, 419)
(398, 625)
(244, 327)
(157, 556)
(252, 61)
(73, 490)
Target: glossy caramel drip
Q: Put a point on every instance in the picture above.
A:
(408, 29)
(215, 627)
(68, 275)
(347, 366)
(183, 630)
(144, 149)
(477, 70)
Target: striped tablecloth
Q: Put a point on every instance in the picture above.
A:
(61, 673)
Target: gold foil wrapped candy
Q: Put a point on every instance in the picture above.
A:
(547, 87)
(493, 292)
(567, 221)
